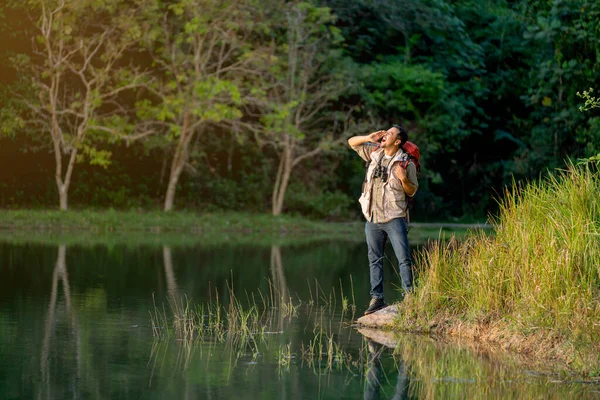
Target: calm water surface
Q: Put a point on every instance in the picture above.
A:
(81, 322)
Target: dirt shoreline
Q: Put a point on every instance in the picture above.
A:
(543, 349)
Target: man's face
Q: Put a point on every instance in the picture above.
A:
(390, 138)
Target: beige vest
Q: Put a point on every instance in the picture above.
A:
(394, 198)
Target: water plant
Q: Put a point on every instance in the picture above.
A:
(324, 353)
(284, 356)
(251, 326)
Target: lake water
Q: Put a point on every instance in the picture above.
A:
(97, 321)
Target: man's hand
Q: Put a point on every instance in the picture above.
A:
(407, 186)
(371, 137)
(375, 137)
(401, 173)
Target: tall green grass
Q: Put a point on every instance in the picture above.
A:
(540, 270)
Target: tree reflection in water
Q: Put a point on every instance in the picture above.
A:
(172, 287)
(282, 298)
(174, 296)
(59, 275)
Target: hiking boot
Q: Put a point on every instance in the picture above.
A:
(376, 304)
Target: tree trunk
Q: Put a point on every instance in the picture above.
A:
(62, 184)
(276, 186)
(179, 159)
(284, 171)
(170, 196)
(63, 197)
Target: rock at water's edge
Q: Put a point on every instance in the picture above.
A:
(382, 319)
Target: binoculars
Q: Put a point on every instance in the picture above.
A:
(381, 172)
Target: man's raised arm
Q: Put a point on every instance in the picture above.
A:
(374, 137)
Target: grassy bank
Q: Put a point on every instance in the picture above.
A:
(533, 286)
(159, 222)
(179, 228)
(183, 228)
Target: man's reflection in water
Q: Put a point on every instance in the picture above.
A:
(375, 375)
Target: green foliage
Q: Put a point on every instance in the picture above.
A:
(564, 59)
(330, 206)
(401, 91)
(278, 119)
(189, 76)
(590, 102)
(10, 121)
(590, 137)
(305, 54)
(95, 156)
(488, 90)
(72, 79)
(478, 133)
(111, 187)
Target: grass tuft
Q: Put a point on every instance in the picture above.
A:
(539, 272)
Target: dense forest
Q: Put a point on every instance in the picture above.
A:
(246, 105)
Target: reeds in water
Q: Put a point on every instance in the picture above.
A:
(244, 326)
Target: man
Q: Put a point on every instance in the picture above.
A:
(390, 178)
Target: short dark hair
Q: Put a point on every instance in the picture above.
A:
(401, 134)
